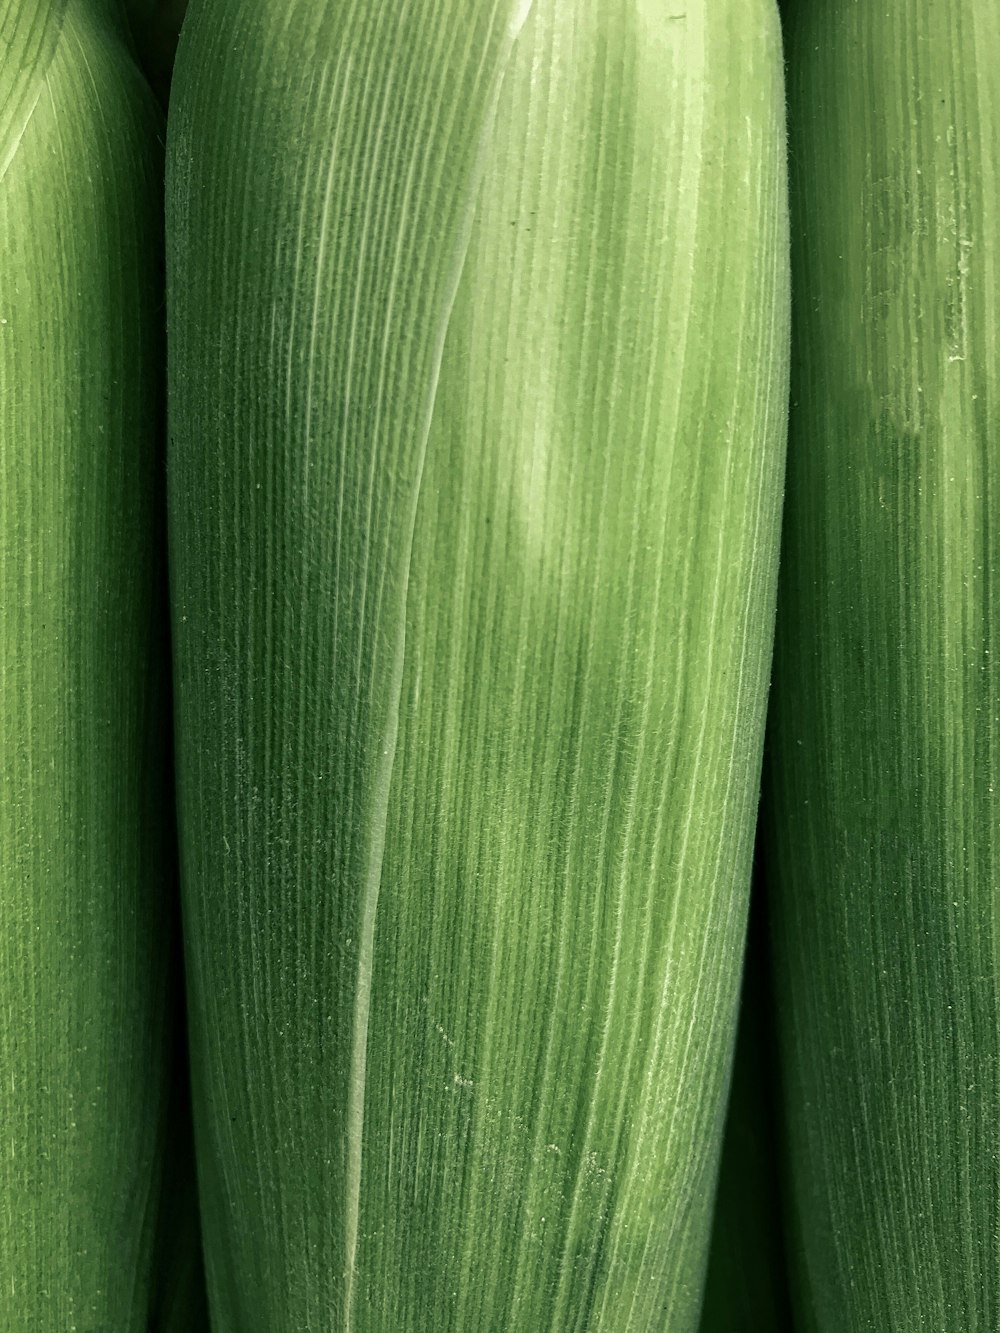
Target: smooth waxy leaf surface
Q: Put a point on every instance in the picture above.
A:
(477, 384)
(884, 786)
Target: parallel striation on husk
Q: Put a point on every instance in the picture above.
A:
(883, 784)
(478, 356)
(86, 829)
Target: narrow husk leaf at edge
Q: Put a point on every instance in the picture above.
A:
(86, 827)
(882, 799)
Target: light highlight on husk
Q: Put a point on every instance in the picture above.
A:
(477, 391)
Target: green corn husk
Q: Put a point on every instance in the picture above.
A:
(86, 830)
(884, 781)
(478, 326)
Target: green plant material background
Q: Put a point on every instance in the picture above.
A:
(746, 1286)
(478, 352)
(884, 783)
(86, 830)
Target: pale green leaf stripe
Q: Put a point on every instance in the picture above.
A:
(85, 814)
(477, 390)
(28, 36)
(884, 788)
